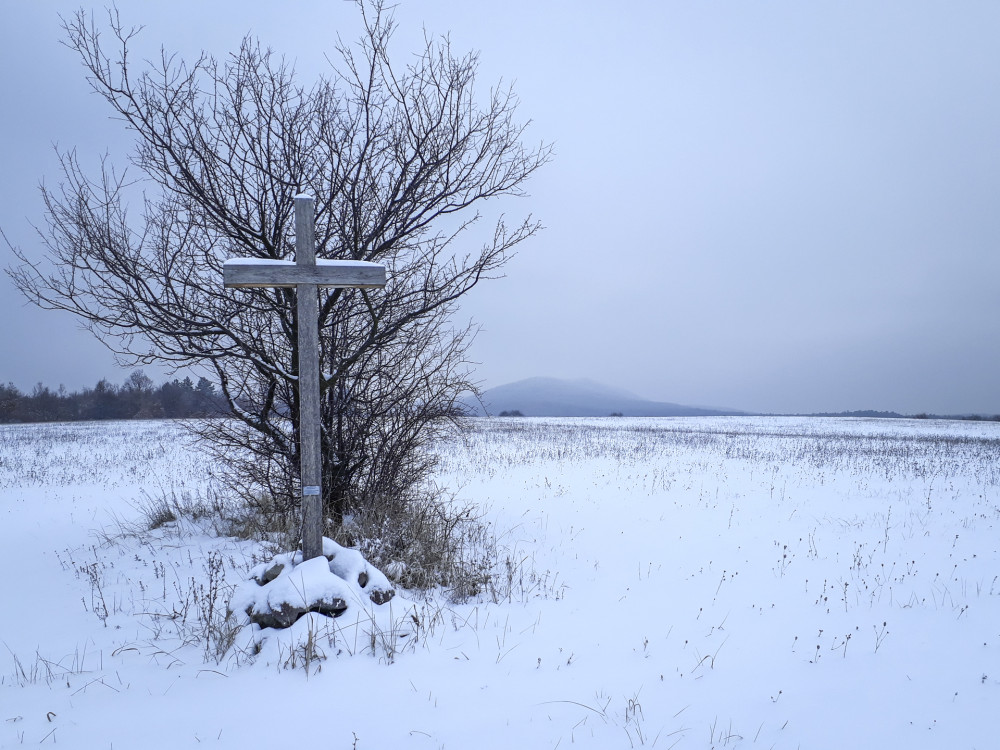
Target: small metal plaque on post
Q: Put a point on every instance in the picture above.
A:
(311, 489)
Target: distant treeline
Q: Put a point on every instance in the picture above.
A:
(895, 415)
(136, 398)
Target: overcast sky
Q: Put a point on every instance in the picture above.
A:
(778, 206)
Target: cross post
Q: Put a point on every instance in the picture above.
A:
(306, 275)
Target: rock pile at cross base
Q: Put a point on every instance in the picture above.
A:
(281, 591)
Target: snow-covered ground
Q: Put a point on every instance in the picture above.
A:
(677, 583)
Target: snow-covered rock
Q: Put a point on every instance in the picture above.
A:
(279, 592)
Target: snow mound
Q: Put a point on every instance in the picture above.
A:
(281, 591)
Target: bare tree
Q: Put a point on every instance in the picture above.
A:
(398, 161)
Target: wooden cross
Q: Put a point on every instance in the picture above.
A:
(306, 274)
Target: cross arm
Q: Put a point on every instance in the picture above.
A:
(261, 272)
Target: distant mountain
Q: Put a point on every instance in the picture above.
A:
(552, 397)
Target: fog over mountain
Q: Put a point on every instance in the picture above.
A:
(553, 397)
(785, 207)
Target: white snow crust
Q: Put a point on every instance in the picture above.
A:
(672, 583)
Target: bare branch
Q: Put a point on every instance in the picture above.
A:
(399, 159)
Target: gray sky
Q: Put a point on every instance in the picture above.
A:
(776, 207)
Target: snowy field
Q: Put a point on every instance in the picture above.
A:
(675, 583)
